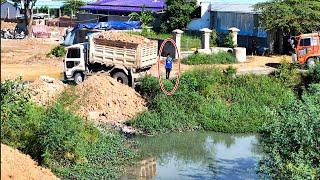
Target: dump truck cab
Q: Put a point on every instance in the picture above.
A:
(307, 49)
(75, 62)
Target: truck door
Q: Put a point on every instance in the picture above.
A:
(74, 61)
(304, 48)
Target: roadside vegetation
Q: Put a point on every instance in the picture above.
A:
(71, 147)
(218, 58)
(211, 100)
(58, 51)
(291, 141)
(188, 41)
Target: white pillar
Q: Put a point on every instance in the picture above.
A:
(234, 31)
(177, 38)
(205, 40)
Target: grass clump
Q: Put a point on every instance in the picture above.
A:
(58, 51)
(218, 58)
(56, 138)
(207, 99)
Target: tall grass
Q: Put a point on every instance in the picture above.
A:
(218, 58)
(207, 99)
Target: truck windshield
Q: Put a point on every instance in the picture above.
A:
(73, 53)
(305, 42)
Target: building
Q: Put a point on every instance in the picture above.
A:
(9, 10)
(118, 10)
(222, 15)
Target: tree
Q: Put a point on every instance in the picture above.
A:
(72, 6)
(291, 17)
(177, 14)
(27, 7)
(146, 17)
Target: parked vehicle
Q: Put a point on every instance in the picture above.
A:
(127, 62)
(307, 49)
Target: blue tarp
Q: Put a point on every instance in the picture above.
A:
(118, 25)
(71, 37)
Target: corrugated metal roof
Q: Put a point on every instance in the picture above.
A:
(233, 7)
(125, 5)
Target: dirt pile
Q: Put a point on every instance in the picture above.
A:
(123, 37)
(101, 98)
(45, 90)
(16, 165)
(8, 25)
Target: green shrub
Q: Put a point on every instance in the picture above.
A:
(228, 41)
(71, 147)
(314, 74)
(218, 58)
(230, 71)
(58, 51)
(209, 100)
(291, 141)
(213, 38)
(288, 74)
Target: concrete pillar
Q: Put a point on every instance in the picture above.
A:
(205, 40)
(59, 12)
(177, 38)
(234, 31)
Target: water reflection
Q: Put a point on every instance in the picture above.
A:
(199, 155)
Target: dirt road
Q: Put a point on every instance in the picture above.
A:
(27, 58)
(254, 64)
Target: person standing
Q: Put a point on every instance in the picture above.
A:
(169, 62)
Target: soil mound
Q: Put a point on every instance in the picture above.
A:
(123, 37)
(45, 90)
(16, 165)
(102, 98)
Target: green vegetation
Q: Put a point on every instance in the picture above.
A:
(290, 16)
(70, 146)
(188, 41)
(218, 58)
(44, 9)
(291, 141)
(177, 14)
(70, 7)
(58, 51)
(207, 99)
(146, 17)
(213, 38)
(228, 41)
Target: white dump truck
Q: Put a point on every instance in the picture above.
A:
(127, 58)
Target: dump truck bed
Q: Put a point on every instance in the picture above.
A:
(127, 54)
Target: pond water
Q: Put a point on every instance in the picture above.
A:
(197, 155)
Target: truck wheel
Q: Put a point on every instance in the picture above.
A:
(78, 78)
(311, 63)
(121, 77)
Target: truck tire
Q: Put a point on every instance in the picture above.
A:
(121, 77)
(78, 78)
(311, 63)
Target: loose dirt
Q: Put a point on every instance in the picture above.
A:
(16, 165)
(8, 25)
(27, 57)
(103, 99)
(45, 90)
(123, 37)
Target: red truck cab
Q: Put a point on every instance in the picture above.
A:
(307, 49)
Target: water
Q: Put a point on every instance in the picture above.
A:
(197, 155)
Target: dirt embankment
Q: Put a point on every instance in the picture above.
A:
(45, 90)
(16, 165)
(101, 98)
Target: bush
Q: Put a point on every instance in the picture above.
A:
(213, 38)
(314, 74)
(291, 141)
(288, 74)
(228, 41)
(71, 147)
(219, 58)
(58, 51)
(230, 71)
(207, 99)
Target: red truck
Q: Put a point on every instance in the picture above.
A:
(307, 49)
